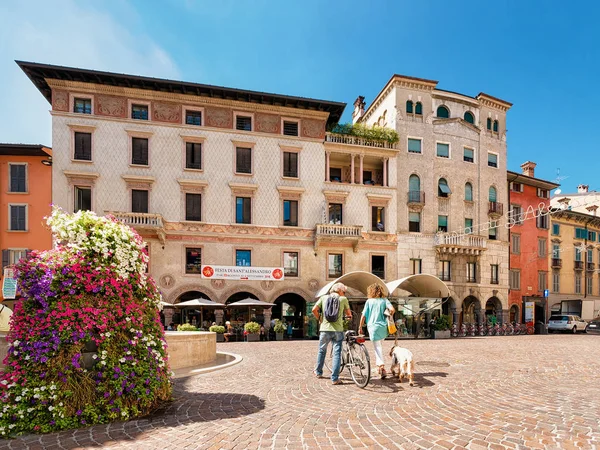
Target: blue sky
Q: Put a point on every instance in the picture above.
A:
(541, 56)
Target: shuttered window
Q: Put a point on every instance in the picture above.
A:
(139, 201)
(290, 128)
(580, 233)
(83, 146)
(193, 207)
(290, 164)
(193, 155)
(443, 150)
(243, 160)
(18, 178)
(469, 155)
(414, 145)
(18, 220)
(139, 151)
(542, 281)
(492, 160)
(515, 279)
(542, 248)
(443, 223)
(515, 243)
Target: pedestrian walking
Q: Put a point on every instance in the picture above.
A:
(375, 314)
(332, 328)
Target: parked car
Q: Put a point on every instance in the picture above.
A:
(594, 325)
(564, 322)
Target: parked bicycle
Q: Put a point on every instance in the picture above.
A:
(355, 357)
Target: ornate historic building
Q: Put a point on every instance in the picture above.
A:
(452, 193)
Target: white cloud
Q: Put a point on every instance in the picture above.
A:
(69, 33)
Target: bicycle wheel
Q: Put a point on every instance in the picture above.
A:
(329, 359)
(359, 365)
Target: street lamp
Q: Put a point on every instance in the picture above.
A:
(47, 162)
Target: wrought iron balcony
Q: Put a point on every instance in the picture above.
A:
(578, 265)
(417, 197)
(590, 266)
(460, 243)
(495, 208)
(556, 263)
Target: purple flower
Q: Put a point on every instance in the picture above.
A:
(147, 391)
(52, 422)
(83, 421)
(106, 394)
(78, 412)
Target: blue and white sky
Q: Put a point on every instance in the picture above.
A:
(544, 57)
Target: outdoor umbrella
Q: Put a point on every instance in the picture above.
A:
(167, 305)
(249, 303)
(201, 303)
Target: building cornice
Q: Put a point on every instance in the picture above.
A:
(493, 102)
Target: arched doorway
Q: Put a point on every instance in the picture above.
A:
(449, 308)
(193, 315)
(493, 310)
(513, 315)
(471, 310)
(290, 308)
(240, 316)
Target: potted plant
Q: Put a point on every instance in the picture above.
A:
(441, 327)
(186, 327)
(220, 330)
(279, 329)
(252, 330)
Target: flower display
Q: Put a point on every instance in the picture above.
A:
(86, 345)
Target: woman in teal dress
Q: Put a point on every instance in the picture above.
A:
(375, 315)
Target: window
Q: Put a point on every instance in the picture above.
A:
(443, 224)
(243, 160)
(335, 213)
(542, 222)
(193, 118)
(12, 257)
(414, 188)
(443, 112)
(493, 232)
(290, 128)
(589, 285)
(378, 266)
(515, 243)
(243, 123)
(469, 192)
(592, 236)
(555, 229)
(590, 255)
(492, 194)
(580, 233)
(409, 106)
(193, 207)
(139, 151)
(83, 198)
(542, 281)
(495, 272)
(367, 177)
(469, 155)
(18, 177)
(578, 283)
(445, 270)
(243, 258)
(414, 222)
(471, 272)
(415, 266)
(290, 213)
(82, 106)
(193, 155)
(516, 187)
(335, 269)
(419, 109)
(542, 248)
(516, 216)
(377, 218)
(139, 201)
(468, 226)
(543, 193)
(414, 145)
(489, 124)
(139, 112)
(290, 164)
(335, 174)
(83, 146)
(577, 254)
(515, 279)
(469, 117)
(243, 210)
(556, 282)
(443, 189)
(555, 251)
(492, 160)
(193, 260)
(443, 150)
(495, 126)
(290, 264)
(18, 217)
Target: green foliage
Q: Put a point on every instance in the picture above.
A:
(219, 329)
(374, 133)
(279, 326)
(442, 323)
(252, 328)
(186, 327)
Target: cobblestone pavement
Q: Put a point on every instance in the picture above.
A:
(523, 392)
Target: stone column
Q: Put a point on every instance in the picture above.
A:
(351, 169)
(219, 316)
(327, 166)
(456, 316)
(360, 175)
(505, 313)
(385, 161)
(267, 321)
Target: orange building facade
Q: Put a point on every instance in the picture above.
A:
(529, 242)
(25, 199)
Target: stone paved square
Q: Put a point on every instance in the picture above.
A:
(513, 392)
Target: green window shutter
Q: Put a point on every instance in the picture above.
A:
(414, 145)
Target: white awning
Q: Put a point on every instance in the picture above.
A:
(420, 285)
(358, 280)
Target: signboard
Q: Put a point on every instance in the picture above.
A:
(529, 311)
(546, 293)
(242, 273)
(9, 284)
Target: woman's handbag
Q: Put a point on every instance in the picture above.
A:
(391, 325)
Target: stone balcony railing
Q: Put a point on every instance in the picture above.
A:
(145, 221)
(356, 140)
(460, 243)
(334, 232)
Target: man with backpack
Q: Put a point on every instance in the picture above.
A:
(332, 307)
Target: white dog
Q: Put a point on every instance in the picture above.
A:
(402, 360)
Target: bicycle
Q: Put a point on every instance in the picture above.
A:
(354, 356)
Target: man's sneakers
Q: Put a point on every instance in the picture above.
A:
(337, 382)
(317, 375)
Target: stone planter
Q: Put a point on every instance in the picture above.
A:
(220, 337)
(279, 336)
(441, 334)
(253, 337)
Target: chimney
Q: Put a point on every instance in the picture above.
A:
(582, 188)
(359, 109)
(528, 168)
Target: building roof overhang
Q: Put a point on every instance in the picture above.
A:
(25, 150)
(530, 181)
